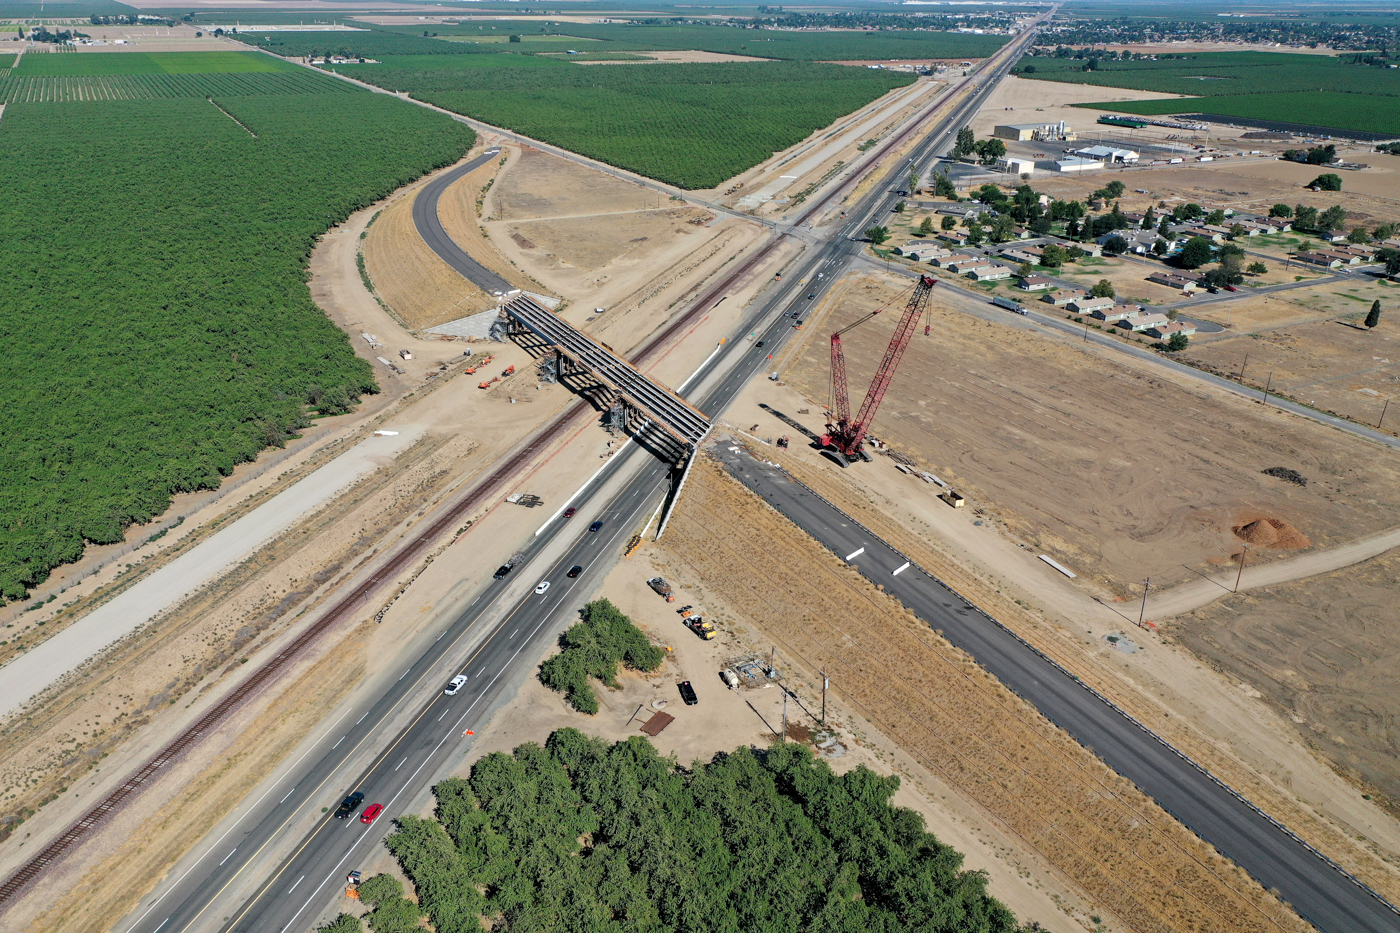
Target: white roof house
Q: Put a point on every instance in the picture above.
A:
(1074, 166)
(1108, 154)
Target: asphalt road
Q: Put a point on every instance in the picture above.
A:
(429, 227)
(1327, 897)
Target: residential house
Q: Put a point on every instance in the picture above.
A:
(1065, 297)
(1088, 304)
(1030, 254)
(954, 237)
(1035, 282)
(1344, 258)
(1138, 323)
(1182, 281)
(1318, 259)
(1276, 224)
(1115, 313)
(945, 261)
(1164, 331)
(1214, 232)
(964, 266)
(990, 273)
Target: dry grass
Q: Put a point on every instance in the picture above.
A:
(421, 289)
(1092, 825)
(1229, 653)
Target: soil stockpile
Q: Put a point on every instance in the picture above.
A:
(1271, 533)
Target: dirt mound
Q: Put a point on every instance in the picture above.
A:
(1271, 533)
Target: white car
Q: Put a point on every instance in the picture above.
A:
(456, 685)
(539, 590)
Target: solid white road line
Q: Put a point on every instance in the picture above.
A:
(230, 855)
(615, 458)
(337, 743)
(854, 554)
(444, 713)
(294, 887)
(401, 764)
(700, 368)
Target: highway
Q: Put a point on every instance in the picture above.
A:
(1323, 894)
(496, 641)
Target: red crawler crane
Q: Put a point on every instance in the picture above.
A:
(845, 438)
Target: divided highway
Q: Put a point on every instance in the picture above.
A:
(511, 631)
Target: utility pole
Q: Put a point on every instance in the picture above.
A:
(784, 715)
(1382, 417)
(826, 682)
(1238, 576)
(1267, 386)
(1243, 365)
(1142, 616)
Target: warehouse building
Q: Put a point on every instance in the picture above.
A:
(1023, 132)
(1108, 154)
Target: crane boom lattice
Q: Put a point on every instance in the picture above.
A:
(846, 436)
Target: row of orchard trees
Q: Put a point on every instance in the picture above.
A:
(581, 835)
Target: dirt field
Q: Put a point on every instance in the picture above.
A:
(1118, 474)
(1023, 100)
(1098, 830)
(1333, 364)
(1326, 653)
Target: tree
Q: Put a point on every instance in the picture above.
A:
(1390, 258)
(943, 186)
(1257, 268)
(975, 235)
(948, 222)
(1003, 228)
(392, 912)
(345, 923)
(1383, 232)
(1029, 69)
(1374, 317)
(926, 228)
(1280, 210)
(913, 181)
(989, 150)
(1322, 155)
(964, 144)
(1115, 245)
(1160, 247)
(1191, 211)
(1177, 342)
(1115, 189)
(1165, 227)
(1149, 220)
(1358, 235)
(1331, 219)
(1328, 182)
(1053, 256)
(1304, 217)
(1074, 254)
(1237, 231)
(1102, 289)
(1216, 216)
(1195, 253)
(877, 235)
(515, 38)
(1024, 269)
(899, 208)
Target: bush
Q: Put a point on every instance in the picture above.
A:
(1327, 182)
(592, 649)
(1177, 342)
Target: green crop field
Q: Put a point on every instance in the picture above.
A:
(153, 295)
(14, 90)
(692, 125)
(376, 44)
(149, 63)
(761, 43)
(409, 64)
(1365, 113)
(1304, 89)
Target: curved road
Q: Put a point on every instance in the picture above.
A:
(429, 227)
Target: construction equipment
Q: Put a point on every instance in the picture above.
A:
(844, 439)
(686, 611)
(352, 885)
(699, 626)
(662, 588)
(509, 370)
(632, 545)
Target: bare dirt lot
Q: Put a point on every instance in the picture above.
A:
(1326, 653)
(1117, 473)
(941, 708)
(1023, 100)
(1331, 362)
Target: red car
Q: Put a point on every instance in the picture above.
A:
(569, 512)
(371, 812)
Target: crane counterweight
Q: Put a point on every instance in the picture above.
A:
(845, 436)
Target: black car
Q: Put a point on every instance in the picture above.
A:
(574, 571)
(502, 570)
(350, 804)
(688, 693)
(811, 296)
(595, 526)
(759, 344)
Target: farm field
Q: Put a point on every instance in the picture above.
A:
(1323, 651)
(1303, 89)
(150, 63)
(151, 377)
(367, 43)
(1116, 472)
(691, 125)
(40, 90)
(764, 43)
(940, 708)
